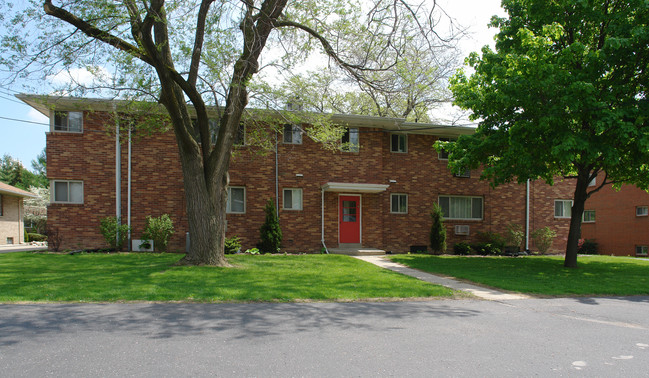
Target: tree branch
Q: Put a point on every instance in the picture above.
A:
(94, 32)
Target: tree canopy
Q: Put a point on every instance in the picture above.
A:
(13, 172)
(563, 95)
(188, 56)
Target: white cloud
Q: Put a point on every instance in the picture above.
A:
(85, 76)
(36, 116)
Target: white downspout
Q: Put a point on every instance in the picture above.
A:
(527, 216)
(118, 173)
(322, 222)
(129, 189)
(276, 177)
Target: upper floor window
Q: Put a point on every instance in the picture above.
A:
(292, 134)
(399, 143)
(350, 140)
(66, 191)
(236, 200)
(461, 207)
(642, 211)
(292, 199)
(562, 208)
(443, 154)
(68, 121)
(399, 203)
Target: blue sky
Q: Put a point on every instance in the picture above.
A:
(25, 140)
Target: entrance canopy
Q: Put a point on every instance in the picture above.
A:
(354, 187)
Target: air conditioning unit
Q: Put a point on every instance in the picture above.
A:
(461, 230)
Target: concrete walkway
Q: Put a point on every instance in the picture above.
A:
(5, 248)
(478, 291)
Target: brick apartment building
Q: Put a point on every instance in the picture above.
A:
(618, 221)
(376, 194)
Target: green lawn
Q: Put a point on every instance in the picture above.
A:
(596, 275)
(35, 277)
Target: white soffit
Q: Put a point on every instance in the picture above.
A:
(354, 188)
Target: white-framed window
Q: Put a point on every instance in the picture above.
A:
(66, 191)
(292, 134)
(465, 174)
(562, 208)
(399, 203)
(236, 200)
(399, 143)
(349, 140)
(443, 155)
(292, 199)
(461, 207)
(642, 211)
(71, 122)
(641, 250)
(589, 216)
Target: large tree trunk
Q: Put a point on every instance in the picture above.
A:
(205, 214)
(578, 204)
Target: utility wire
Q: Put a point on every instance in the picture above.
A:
(25, 121)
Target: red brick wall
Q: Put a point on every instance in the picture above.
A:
(617, 229)
(157, 189)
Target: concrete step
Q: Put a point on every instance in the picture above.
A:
(357, 251)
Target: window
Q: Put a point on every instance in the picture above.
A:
(350, 140)
(562, 208)
(593, 182)
(589, 216)
(292, 199)
(466, 173)
(399, 203)
(1, 205)
(461, 207)
(67, 191)
(292, 134)
(68, 121)
(443, 155)
(399, 143)
(236, 200)
(642, 211)
(641, 250)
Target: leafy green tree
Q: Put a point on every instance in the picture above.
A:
(437, 230)
(563, 95)
(39, 165)
(187, 56)
(13, 173)
(270, 231)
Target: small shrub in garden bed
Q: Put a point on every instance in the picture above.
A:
(486, 249)
(587, 247)
(232, 245)
(462, 249)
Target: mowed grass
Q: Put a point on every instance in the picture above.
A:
(596, 275)
(36, 277)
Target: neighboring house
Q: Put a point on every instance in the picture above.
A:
(377, 192)
(12, 228)
(618, 221)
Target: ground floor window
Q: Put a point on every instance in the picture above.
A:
(562, 208)
(642, 211)
(399, 203)
(292, 199)
(65, 191)
(461, 207)
(236, 200)
(0, 205)
(589, 216)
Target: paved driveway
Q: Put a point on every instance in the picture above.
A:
(531, 337)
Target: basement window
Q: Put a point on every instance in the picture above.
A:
(641, 250)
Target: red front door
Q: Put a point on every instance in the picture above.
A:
(350, 219)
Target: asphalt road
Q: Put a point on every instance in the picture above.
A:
(607, 337)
